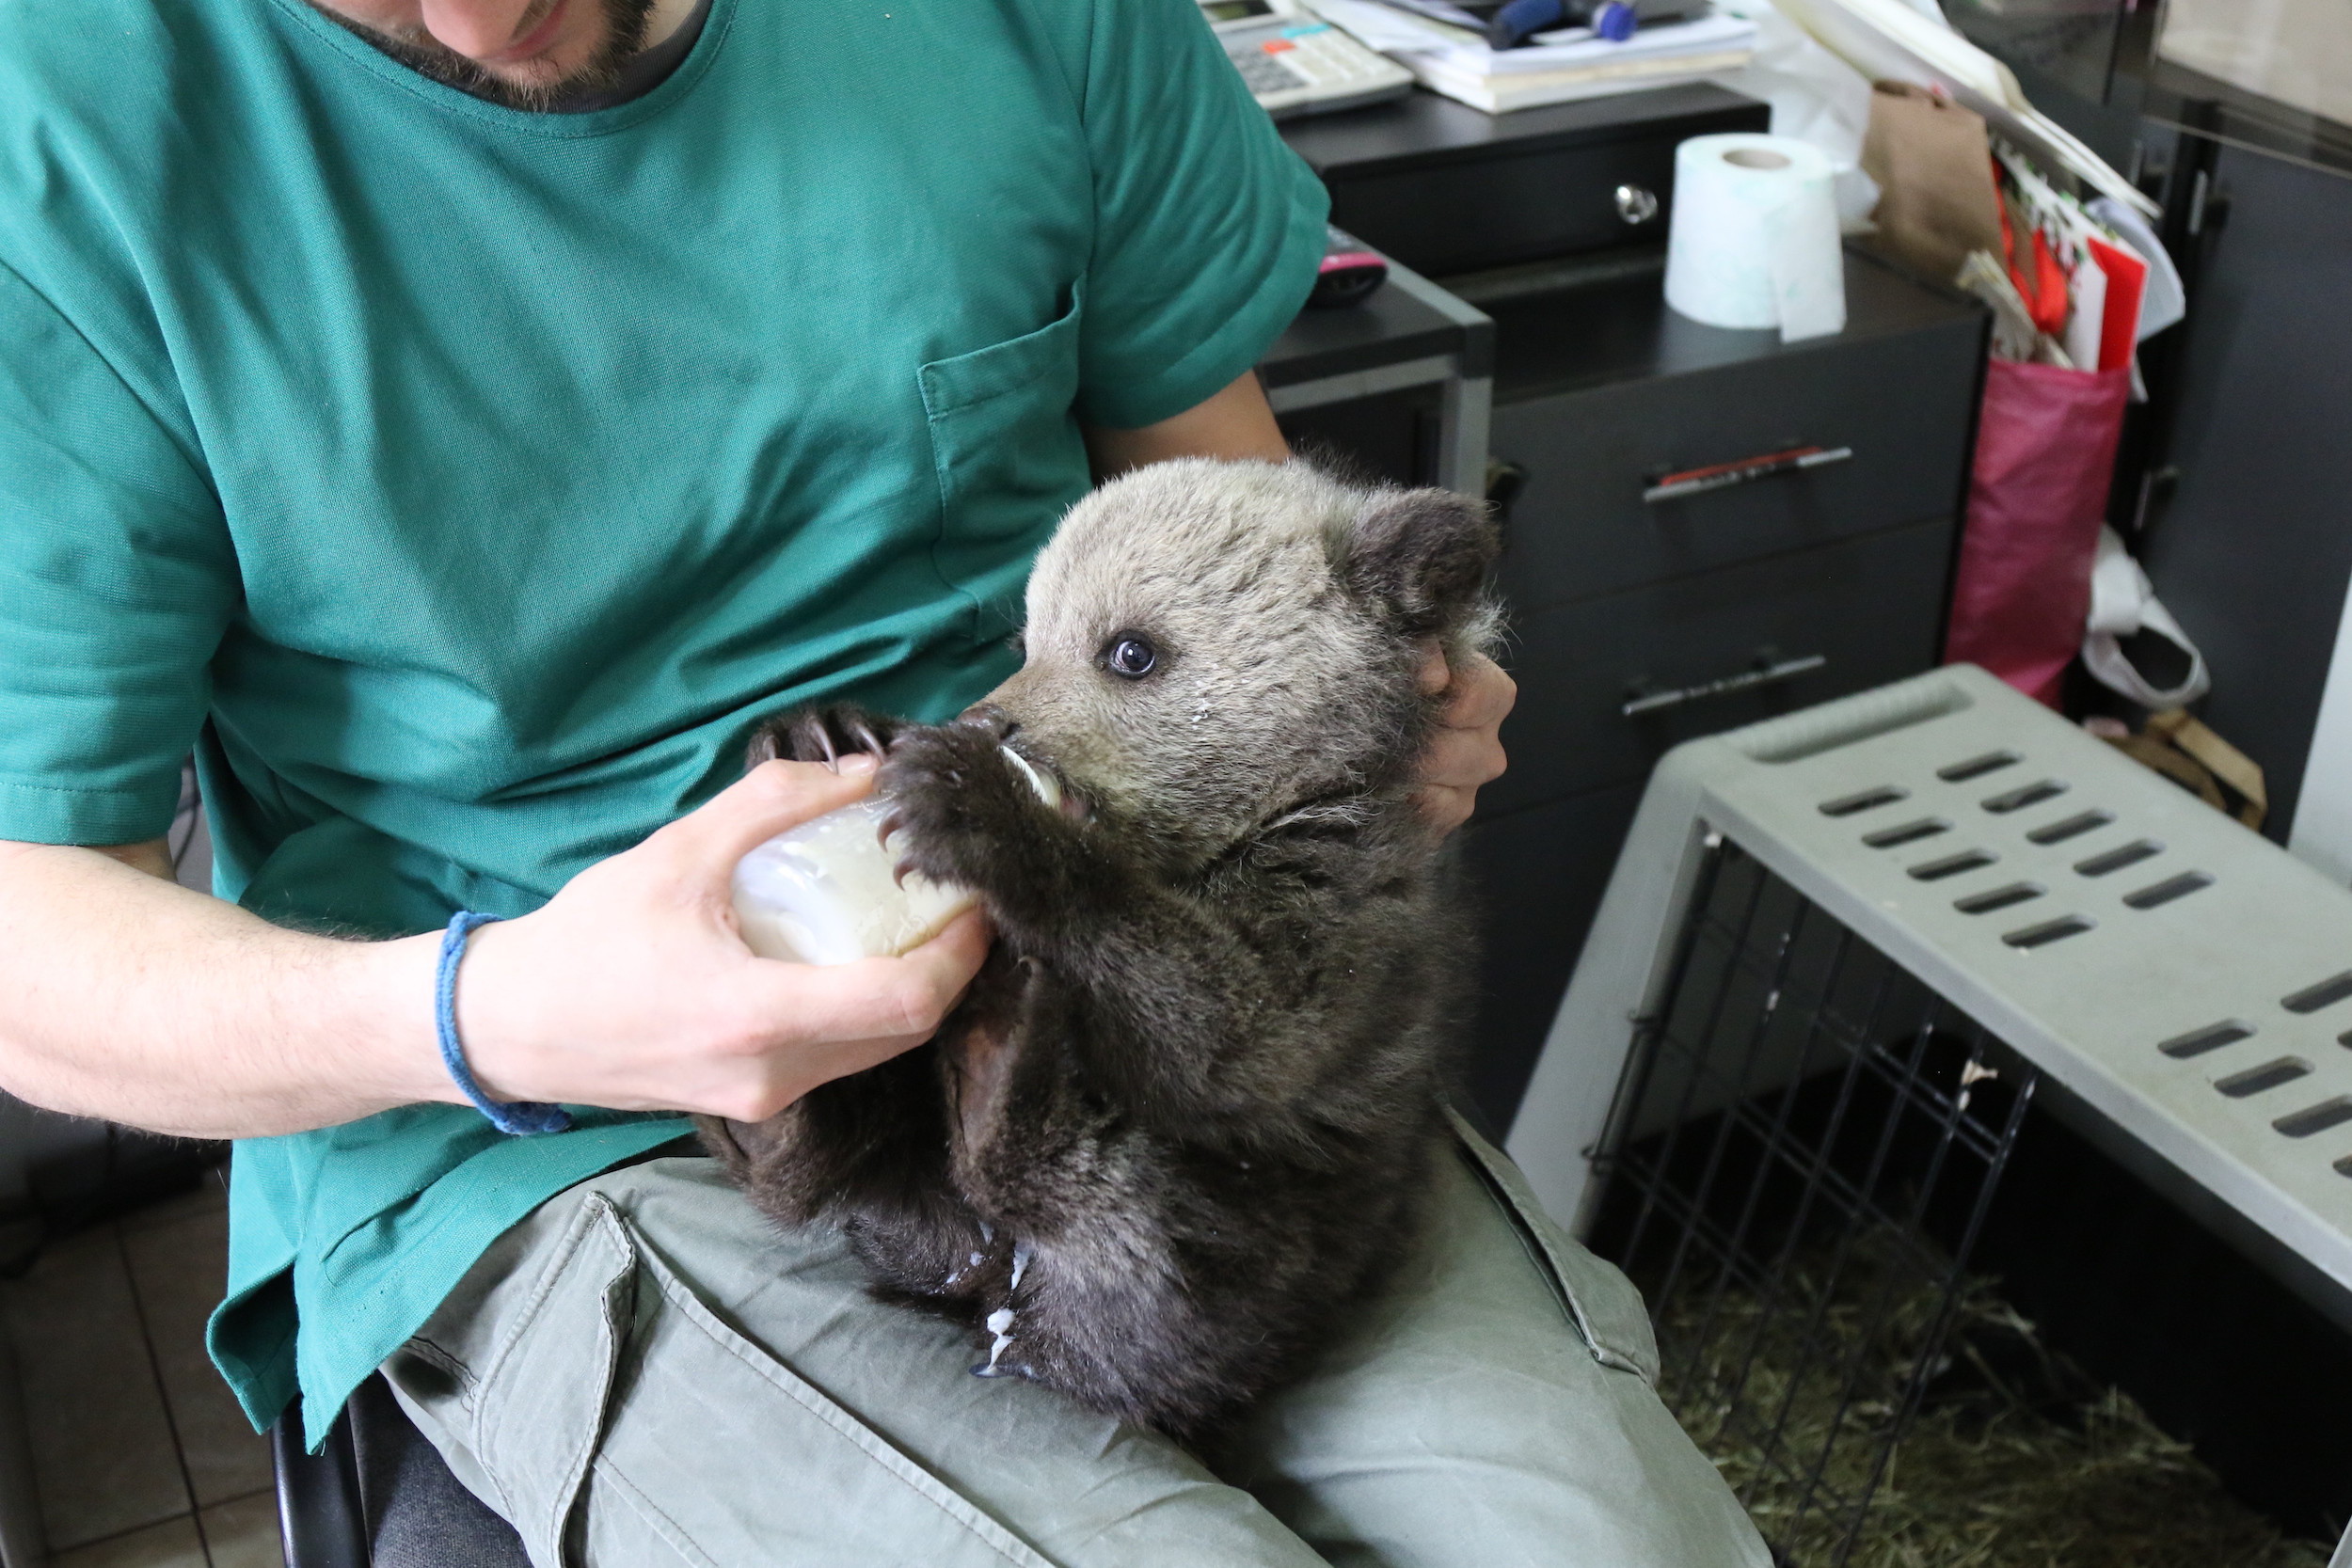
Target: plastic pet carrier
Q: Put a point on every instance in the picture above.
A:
(1842, 954)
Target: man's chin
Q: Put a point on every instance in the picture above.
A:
(535, 85)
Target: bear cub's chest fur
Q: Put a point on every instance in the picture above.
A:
(1184, 1116)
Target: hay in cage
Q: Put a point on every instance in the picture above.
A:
(2015, 1459)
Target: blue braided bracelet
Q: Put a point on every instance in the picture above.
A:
(521, 1118)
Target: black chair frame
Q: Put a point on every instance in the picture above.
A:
(378, 1495)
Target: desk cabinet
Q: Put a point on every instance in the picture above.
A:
(1712, 651)
(1699, 613)
(1580, 525)
(1446, 189)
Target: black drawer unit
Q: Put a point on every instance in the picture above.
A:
(1540, 875)
(1637, 624)
(1645, 609)
(1444, 188)
(1871, 403)
(1607, 686)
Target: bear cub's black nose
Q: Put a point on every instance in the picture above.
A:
(989, 716)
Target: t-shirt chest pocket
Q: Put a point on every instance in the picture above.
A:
(1008, 456)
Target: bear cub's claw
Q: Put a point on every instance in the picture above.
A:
(970, 818)
(824, 734)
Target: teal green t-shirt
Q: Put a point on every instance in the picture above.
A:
(463, 484)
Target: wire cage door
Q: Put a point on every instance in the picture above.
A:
(1803, 1148)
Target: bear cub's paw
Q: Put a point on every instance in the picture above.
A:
(970, 818)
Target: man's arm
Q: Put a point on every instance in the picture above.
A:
(1238, 423)
(137, 1000)
(1232, 424)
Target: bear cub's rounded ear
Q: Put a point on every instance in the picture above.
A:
(1422, 555)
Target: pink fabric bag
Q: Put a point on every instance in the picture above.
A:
(2046, 452)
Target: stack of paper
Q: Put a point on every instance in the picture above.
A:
(1886, 39)
(1551, 69)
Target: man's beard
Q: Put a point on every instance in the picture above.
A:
(625, 39)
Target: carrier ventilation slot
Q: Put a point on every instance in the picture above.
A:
(2171, 888)
(2031, 937)
(2258, 1080)
(2071, 826)
(1869, 799)
(1952, 865)
(1910, 833)
(2025, 795)
(2213, 1036)
(2120, 856)
(1998, 898)
(1976, 767)
(2316, 1118)
(2325, 994)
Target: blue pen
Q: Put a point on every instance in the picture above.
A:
(1517, 22)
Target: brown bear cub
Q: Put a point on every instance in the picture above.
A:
(1186, 1114)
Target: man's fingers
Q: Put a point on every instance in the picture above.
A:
(961, 947)
(1467, 750)
(873, 998)
(1483, 695)
(947, 963)
(1463, 758)
(1480, 694)
(765, 801)
(1444, 807)
(1434, 675)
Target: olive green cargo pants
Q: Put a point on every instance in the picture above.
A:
(645, 1372)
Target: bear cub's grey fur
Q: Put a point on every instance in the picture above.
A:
(1185, 1112)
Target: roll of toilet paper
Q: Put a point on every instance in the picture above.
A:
(1754, 240)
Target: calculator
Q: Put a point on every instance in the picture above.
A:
(1293, 63)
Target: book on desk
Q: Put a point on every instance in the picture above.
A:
(1553, 67)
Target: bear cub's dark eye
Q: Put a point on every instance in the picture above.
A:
(1132, 657)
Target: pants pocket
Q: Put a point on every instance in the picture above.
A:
(518, 1423)
(538, 1401)
(1603, 1304)
(725, 1455)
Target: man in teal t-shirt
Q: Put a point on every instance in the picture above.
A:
(459, 421)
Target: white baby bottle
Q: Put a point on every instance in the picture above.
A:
(827, 893)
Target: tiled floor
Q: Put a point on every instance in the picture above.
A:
(141, 1458)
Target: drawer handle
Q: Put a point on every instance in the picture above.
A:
(1747, 680)
(1722, 476)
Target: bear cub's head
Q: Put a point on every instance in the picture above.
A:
(1212, 646)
